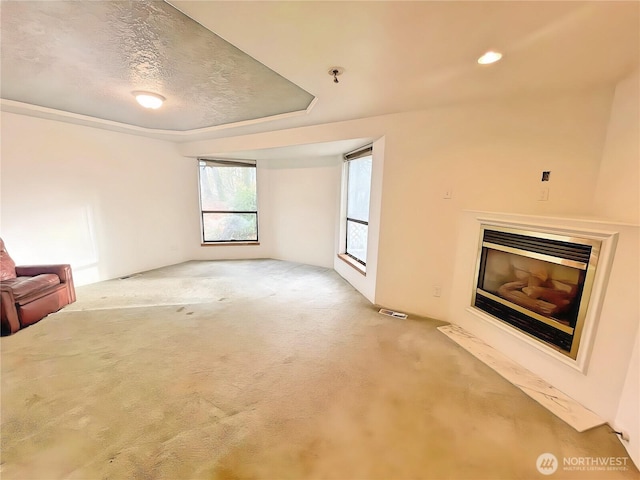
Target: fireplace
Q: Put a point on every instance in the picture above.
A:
(536, 282)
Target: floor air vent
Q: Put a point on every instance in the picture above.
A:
(126, 277)
(391, 313)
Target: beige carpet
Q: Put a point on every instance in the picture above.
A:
(263, 370)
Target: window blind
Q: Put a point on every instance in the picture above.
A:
(359, 153)
(220, 162)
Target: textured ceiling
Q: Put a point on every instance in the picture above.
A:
(86, 57)
(398, 56)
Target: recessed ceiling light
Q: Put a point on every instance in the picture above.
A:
(149, 99)
(489, 57)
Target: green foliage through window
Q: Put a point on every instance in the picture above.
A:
(228, 200)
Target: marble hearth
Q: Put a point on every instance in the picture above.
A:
(596, 377)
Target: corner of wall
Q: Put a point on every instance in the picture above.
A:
(366, 284)
(628, 415)
(616, 195)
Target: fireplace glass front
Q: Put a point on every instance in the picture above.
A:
(538, 283)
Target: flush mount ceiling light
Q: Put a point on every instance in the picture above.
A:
(489, 57)
(149, 99)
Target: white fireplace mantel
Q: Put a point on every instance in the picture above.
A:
(607, 239)
(596, 378)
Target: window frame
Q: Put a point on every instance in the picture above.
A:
(346, 245)
(225, 163)
(366, 151)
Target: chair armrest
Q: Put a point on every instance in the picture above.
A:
(62, 271)
(7, 293)
(8, 314)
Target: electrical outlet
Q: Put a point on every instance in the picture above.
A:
(437, 290)
(448, 194)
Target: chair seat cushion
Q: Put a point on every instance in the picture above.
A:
(26, 286)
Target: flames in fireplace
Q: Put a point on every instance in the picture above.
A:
(536, 282)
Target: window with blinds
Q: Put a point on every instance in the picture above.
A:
(228, 200)
(358, 171)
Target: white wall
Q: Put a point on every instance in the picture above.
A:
(107, 203)
(627, 418)
(618, 189)
(491, 157)
(618, 197)
(303, 198)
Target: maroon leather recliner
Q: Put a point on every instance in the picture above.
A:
(30, 293)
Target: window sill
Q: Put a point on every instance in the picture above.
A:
(227, 244)
(352, 263)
